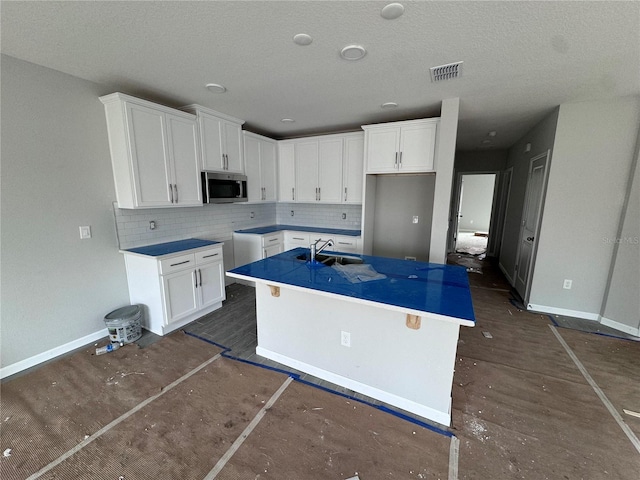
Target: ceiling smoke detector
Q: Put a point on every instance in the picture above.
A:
(446, 72)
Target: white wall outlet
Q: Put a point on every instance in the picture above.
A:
(85, 232)
(152, 225)
(292, 213)
(415, 219)
(344, 216)
(345, 339)
(410, 258)
(252, 215)
(567, 284)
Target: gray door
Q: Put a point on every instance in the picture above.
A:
(530, 223)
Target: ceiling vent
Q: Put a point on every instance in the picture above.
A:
(446, 72)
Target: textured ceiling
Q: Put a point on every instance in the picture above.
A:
(521, 59)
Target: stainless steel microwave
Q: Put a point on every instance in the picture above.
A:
(223, 187)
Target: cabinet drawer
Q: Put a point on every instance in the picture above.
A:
(211, 255)
(297, 238)
(174, 264)
(274, 239)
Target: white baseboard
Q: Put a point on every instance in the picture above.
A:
(564, 312)
(503, 270)
(54, 352)
(443, 418)
(620, 326)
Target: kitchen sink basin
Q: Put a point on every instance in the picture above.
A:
(331, 259)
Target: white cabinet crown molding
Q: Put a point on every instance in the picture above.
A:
(195, 108)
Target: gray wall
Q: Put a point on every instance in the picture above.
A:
(477, 200)
(620, 309)
(541, 138)
(591, 160)
(398, 199)
(56, 176)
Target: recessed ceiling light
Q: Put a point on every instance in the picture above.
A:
(287, 120)
(492, 133)
(302, 39)
(392, 11)
(486, 141)
(216, 88)
(389, 105)
(353, 52)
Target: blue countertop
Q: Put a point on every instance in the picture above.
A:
(425, 287)
(298, 228)
(167, 248)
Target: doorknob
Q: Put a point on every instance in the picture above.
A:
(530, 239)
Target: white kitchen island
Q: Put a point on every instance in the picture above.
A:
(393, 339)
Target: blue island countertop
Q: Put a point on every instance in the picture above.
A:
(160, 249)
(411, 286)
(298, 228)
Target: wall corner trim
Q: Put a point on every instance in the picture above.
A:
(53, 353)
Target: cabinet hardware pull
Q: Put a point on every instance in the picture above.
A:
(400, 160)
(319, 193)
(200, 274)
(396, 162)
(273, 240)
(223, 162)
(175, 187)
(345, 194)
(180, 263)
(298, 238)
(171, 192)
(293, 193)
(212, 255)
(195, 276)
(345, 243)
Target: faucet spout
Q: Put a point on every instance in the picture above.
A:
(315, 250)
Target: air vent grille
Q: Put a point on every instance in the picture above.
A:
(446, 72)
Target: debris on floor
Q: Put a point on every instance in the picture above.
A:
(6, 453)
(629, 412)
(487, 334)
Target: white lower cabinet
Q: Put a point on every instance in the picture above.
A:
(251, 247)
(176, 289)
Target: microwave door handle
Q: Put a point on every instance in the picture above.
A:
(241, 183)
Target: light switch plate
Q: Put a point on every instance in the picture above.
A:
(85, 232)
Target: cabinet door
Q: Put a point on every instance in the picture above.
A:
(353, 169)
(306, 161)
(330, 170)
(286, 173)
(183, 152)
(179, 293)
(252, 161)
(382, 149)
(232, 147)
(417, 143)
(211, 142)
(271, 250)
(211, 283)
(150, 163)
(268, 170)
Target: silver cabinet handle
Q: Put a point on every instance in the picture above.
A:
(400, 160)
(223, 162)
(212, 255)
(179, 263)
(273, 240)
(345, 194)
(200, 274)
(293, 193)
(195, 276)
(395, 164)
(171, 192)
(319, 194)
(175, 187)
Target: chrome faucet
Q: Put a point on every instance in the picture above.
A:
(315, 250)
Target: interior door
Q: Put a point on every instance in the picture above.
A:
(530, 223)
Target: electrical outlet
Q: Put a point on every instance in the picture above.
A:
(252, 215)
(292, 213)
(152, 225)
(415, 219)
(345, 339)
(85, 232)
(567, 284)
(410, 258)
(344, 216)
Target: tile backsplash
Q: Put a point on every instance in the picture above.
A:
(219, 221)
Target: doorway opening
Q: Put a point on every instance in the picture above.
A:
(475, 201)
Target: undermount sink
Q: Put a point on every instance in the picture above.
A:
(329, 260)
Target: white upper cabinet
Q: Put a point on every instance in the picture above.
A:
(154, 153)
(260, 162)
(401, 147)
(286, 172)
(353, 168)
(220, 140)
(322, 169)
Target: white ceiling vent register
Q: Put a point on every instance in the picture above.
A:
(446, 72)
